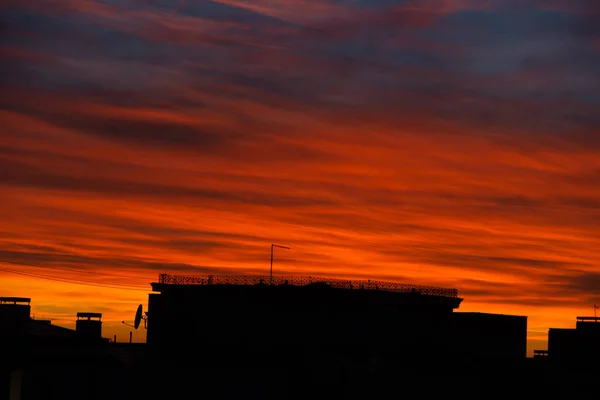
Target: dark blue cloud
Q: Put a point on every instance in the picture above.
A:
(468, 62)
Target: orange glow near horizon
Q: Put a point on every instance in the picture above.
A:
(137, 140)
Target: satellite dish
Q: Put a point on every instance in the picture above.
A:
(138, 317)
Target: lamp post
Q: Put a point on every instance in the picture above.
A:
(271, 273)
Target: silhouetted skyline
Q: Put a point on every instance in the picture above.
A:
(291, 336)
(444, 143)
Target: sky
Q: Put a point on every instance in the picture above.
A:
(453, 143)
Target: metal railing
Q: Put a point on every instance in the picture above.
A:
(303, 281)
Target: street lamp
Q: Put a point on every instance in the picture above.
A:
(272, 247)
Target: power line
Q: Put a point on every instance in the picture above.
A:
(74, 270)
(73, 281)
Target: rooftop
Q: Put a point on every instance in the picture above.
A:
(166, 279)
(46, 329)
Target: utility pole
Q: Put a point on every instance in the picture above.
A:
(271, 273)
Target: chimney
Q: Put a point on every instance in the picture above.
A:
(14, 313)
(89, 326)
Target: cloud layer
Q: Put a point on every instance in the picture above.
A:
(443, 142)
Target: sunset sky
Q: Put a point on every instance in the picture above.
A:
(441, 142)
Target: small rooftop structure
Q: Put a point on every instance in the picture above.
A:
(14, 313)
(589, 326)
(89, 325)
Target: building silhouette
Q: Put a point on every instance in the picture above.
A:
(491, 337)
(40, 360)
(223, 337)
(89, 326)
(577, 348)
(225, 318)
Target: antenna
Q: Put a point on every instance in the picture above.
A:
(272, 247)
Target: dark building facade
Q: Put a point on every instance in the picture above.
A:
(235, 315)
(89, 326)
(39, 360)
(14, 315)
(483, 336)
(576, 347)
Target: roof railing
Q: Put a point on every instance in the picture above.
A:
(168, 279)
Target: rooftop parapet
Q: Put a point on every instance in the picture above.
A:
(167, 279)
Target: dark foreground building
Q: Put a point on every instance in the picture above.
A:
(39, 360)
(301, 337)
(240, 338)
(577, 348)
(299, 320)
(26, 341)
(493, 337)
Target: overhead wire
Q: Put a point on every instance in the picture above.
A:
(72, 281)
(75, 270)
